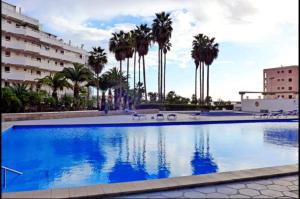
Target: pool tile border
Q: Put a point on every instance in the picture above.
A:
(115, 189)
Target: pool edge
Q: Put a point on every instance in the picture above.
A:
(116, 189)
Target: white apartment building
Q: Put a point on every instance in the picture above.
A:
(28, 53)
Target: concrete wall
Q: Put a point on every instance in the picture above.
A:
(255, 105)
(67, 114)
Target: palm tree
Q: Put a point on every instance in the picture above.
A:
(134, 37)
(196, 61)
(114, 77)
(21, 91)
(129, 42)
(97, 60)
(200, 43)
(143, 40)
(161, 30)
(56, 81)
(117, 45)
(78, 74)
(104, 86)
(211, 54)
(167, 47)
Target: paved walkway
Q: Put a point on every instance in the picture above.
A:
(278, 187)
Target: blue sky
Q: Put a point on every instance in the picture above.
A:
(252, 35)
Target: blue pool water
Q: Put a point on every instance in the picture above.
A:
(60, 156)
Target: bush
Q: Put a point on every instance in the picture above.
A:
(9, 101)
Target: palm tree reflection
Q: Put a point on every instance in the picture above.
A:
(130, 170)
(163, 166)
(203, 161)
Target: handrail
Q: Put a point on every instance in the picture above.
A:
(12, 170)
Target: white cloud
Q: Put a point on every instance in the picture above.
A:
(268, 24)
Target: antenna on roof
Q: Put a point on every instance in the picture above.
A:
(82, 46)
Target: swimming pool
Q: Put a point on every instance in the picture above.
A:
(70, 156)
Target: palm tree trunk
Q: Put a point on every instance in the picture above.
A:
(97, 91)
(139, 83)
(161, 73)
(200, 83)
(165, 55)
(127, 74)
(196, 83)
(134, 77)
(203, 82)
(158, 78)
(144, 73)
(121, 87)
(207, 83)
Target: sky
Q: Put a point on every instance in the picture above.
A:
(252, 35)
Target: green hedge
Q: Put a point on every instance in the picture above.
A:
(182, 107)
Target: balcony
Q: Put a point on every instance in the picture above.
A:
(11, 28)
(20, 46)
(24, 61)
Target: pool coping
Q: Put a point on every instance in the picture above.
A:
(151, 123)
(119, 189)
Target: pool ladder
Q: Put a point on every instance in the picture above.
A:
(11, 170)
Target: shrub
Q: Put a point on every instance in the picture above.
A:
(9, 101)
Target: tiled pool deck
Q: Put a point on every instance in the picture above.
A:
(179, 185)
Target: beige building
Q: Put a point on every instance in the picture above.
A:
(281, 82)
(28, 52)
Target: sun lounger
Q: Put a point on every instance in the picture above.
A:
(160, 116)
(277, 114)
(262, 114)
(172, 116)
(195, 115)
(293, 113)
(138, 116)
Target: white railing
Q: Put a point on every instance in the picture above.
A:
(11, 170)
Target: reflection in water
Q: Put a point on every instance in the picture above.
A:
(163, 167)
(202, 161)
(288, 137)
(126, 170)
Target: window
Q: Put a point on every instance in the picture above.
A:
(38, 86)
(56, 63)
(6, 84)
(18, 25)
(7, 53)
(48, 61)
(282, 96)
(290, 88)
(47, 48)
(61, 64)
(278, 88)
(290, 97)
(282, 88)
(7, 69)
(25, 69)
(38, 72)
(278, 80)
(278, 96)
(282, 79)
(81, 58)
(8, 21)
(290, 71)
(282, 71)
(278, 72)
(39, 59)
(7, 38)
(290, 79)
(56, 50)
(62, 52)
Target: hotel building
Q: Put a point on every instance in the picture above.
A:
(28, 53)
(281, 82)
